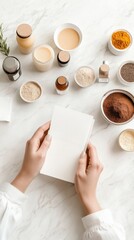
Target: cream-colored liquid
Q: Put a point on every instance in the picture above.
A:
(42, 54)
(68, 39)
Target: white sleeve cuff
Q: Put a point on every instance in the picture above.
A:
(12, 193)
(97, 218)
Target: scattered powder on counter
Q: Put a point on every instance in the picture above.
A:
(31, 91)
(118, 107)
(126, 140)
(127, 72)
(85, 76)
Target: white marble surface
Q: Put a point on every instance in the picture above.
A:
(52, 210)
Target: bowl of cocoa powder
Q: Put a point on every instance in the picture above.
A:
(117, 106)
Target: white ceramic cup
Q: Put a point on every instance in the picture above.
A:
(121, 79)
(62, 27)
(75, 76)
(119, 139)
(24, 99)
(106, 95)
(115, 50)
(40, 65)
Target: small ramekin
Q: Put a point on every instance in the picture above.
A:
(119, 139)
(115, 50)
(75, 78)
(106, 95)
(121, 79)
(25, 100)
(62, 27)
(43, 66)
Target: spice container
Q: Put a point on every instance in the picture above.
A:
(125, 73)
(119, 42)
(62, 85)
(126, 140)
(30, 91)
(43, 57)
(67, 37)
(117, 106)
(12, 67)
(85, 76)
(24, 38)
(104, 73)
(63, 58)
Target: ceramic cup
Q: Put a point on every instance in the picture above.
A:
(115, 50)
(121, 79)
(26, 99)
(90, 84)
(106, 95)
(67, 26)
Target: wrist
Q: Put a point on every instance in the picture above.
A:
(91, 205)
(22, 181)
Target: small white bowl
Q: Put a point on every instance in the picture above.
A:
(115, 50)
(121, 79)
(62, 27)
(75, 76)
(24, 99)
(106, 95)
(120, 140)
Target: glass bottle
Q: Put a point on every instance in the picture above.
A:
(62, 85)
(25, 38)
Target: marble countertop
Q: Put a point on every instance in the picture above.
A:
(52, 210)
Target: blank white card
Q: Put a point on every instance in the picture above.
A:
(70, 131)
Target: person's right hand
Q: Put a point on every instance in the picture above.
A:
(35, 153)
(87, 176)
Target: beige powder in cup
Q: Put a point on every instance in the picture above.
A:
(30, 91)
(85, 76)
(126, 140)
(68, 39)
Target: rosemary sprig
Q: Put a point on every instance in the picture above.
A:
(3, 44)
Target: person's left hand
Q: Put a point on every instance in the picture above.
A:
(35, 153)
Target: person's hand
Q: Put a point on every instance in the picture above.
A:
(35, 153)
(87, 176)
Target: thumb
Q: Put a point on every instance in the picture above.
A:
(45, 144)
(82, 164)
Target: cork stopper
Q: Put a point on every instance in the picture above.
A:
(104, 68)
(63, 56)
(24, 30)
(61, 80)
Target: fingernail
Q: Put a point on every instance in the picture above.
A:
(48, 137)
(83, 154)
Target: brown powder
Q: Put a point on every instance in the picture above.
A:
(118, 107)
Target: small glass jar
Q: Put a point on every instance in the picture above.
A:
(12, 67)
(104, 72)
(24, 38)
(62, 85)
(43, 57)
(63, 58)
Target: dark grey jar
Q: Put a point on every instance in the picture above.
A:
(12, 67)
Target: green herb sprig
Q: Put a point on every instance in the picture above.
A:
(4, 49)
